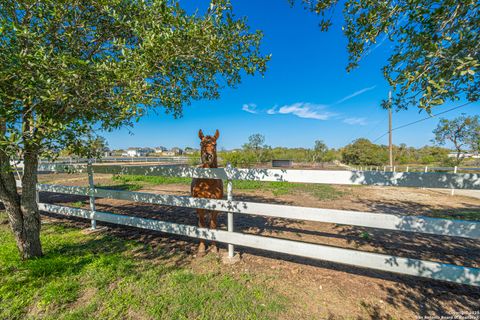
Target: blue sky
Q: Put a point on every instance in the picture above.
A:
(305, 95)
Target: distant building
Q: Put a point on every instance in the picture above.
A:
(139, 152)
(464, 155)
(107, 152)
(177, 151)
(119, 152)
(168, 153)
(160, 149)
(189, 150)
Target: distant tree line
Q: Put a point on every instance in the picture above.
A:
(255, 151)
(360, 152)
(364, 152)
(463, 133)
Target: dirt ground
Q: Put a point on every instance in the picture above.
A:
(318, 289)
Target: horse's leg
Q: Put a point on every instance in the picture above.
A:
(213, 225)
(201, 223)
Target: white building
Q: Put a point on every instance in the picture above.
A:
(160, 149)
(464, 155)
(177, 151)
(107, 152)
(168, 153)
(173, 152)
(138, 152)
(189, 150)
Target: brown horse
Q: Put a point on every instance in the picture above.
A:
(207, 188)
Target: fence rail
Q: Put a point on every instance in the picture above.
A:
(443, 227)
(416, 267)
(382, 262)
(395, 179)
(68, 160)
(424, 169)
(416, 168)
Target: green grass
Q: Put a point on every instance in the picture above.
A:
(121, 186)
(459, 214)
(152, 179)
(321, 192)
(85, 276)
(77, 204)
(365, 236)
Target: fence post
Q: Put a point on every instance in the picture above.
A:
(406, 169)
(426, 168)
(454, 171)
(91, 191)
(394, 168)
(231, 249)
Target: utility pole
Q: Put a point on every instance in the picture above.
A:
(390, 146)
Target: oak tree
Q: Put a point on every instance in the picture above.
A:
(67, 67)
(319, 151)
(462, 132)
(363, 152)
(435, 45)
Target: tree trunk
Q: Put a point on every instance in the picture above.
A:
(22, 210)
(31, 223)
(458, 157)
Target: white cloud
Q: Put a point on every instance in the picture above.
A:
(303, 110)
(309, 110)
(250, 108)
(356, 93)
(356, 121)
(272, 110)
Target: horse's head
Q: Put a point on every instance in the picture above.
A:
(208, 149)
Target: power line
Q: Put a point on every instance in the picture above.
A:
(378, 126)
(420, 120)
(371, 131)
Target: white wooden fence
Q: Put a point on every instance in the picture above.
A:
(408, 266)
(72, 160)
(417, 168)
(421, 169)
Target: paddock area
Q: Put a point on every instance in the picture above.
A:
(334, 291)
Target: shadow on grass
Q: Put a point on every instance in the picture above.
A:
(410, 292)
(118, 276)
(456, 250)
(70, 258)
(463, 211)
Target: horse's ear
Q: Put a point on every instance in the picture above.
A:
(200, 134)
(217, 134)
